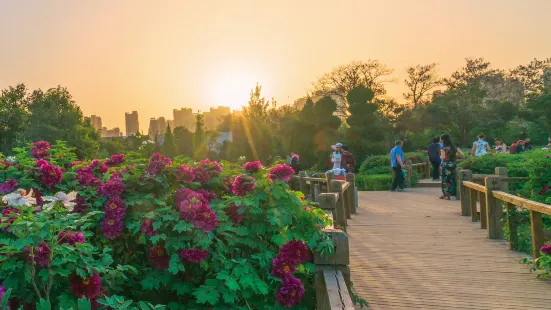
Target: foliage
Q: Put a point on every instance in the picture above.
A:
(375, 182)
(169, 147)
(420, 81)
(184, 240)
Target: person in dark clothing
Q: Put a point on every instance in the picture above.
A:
(434, 157)
(348, 161)
(295, 163)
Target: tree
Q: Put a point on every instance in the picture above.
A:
(533, 76)
(55, 116)
(538, 108)
(184, 141)
(200, 150)
(169, 148)
(258, 105)
(340, 81)
(13, 117)
(420, 81)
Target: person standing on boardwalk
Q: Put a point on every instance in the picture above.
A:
(449, 154)
(434, 157)
(348, 160)
(480, 147)
(397, 162)
(336, 156)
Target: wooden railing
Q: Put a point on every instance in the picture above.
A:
(332, 271)
(491, 196)
(423, 169)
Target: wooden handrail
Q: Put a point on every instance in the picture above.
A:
(523, 203)
(474, 186)
(311, 179)
(345, 186)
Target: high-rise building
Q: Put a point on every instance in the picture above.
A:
(132, 123)
(111, 133)
(96, 122)
(157, 126)
(212, 118)
(184, 118)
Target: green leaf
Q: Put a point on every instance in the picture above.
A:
(175, 264)
(43, 305)
(232, 284)
(182, 226)
(6, 298)
(206, 294)
(84, 304)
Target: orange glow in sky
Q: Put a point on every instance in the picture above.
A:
(153, 56)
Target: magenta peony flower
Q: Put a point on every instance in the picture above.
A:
(10, 214)
(85, 176)
(208, 195)
(39, 149)
(157, 164)
(147, 227)
(294, 251)
(81, 206)
(212, 167)
(112, 187)
(242, 185)
(228, 182)
(9, 186)
(290, 293)
(188, 209)
(89, 287)
(252, 166)
(115, 160)
(40, 255)
(281, 172)
(158, 257)
(205, 219)
(542, 192)
(283, 268)
(188, 194)
(50, 174)
(201, 174)
(111, 228)
(115, 208)
(193, 255)
(546, 249)
(70, 238)
(235, 214)
(184, 174)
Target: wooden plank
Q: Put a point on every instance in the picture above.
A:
(473, 204)
(478, 187)
(311, 179)
(351, 179)
(340, 213)
(483, 210)
(464, 196)
(536, 229)
(523, 203)
(339, 298)
(495, 210)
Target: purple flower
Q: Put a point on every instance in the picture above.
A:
(205, 219)
(85, 176)
(39, 149)
(111, 227)
(40, 255)
(89, 287)
(9, 186)
(115, 208)
(281, 172)
(294, 251)
(188, 194)
(201, 174)
(193, 255)
(546, 249)
(81, 206)
(50, 174)
(158, 257)
(252, 166)
(115, 160)
(184, 174)
(157, 164)
(112, 188)
(290, 293)
(147, 227)
(212, 167)
(71, 238)
(242, 185)
(283, 268)
(188, 209)
(208, 195)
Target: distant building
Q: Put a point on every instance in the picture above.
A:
(96, 122)
(212, 118)
(184, 118)
(157, 127)
(111, 133)
(132, 123)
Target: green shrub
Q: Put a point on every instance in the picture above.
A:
(375, 162)
(377, 182)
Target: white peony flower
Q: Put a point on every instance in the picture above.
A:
(65, 199)
(19, 198)
(11, 159)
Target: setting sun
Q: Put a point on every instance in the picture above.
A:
(230, 88)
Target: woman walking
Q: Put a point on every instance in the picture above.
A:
(449, 154)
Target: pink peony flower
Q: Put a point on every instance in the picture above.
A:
(81, 206)
(50, 174)
(89, 287)
(544, 190)
(235, 214)
(184, 174)
(242, 185)
(112, 187)
(193, 255)
(283, 268)
(252, 166)
(205, 219)
(281, 172)
(546, 249)
(85, 176)
(290, 293)
(39, 149)
(147, 227)
(212, 167)
(115, 208)
(9, 186)
(71, 238)
(201, 174)
(208, 195)
(188, 209)
(112, 228)
(188, 194)
(157, 164)
(115, 160)
(294, 251)
(158, 257)
(40, 255)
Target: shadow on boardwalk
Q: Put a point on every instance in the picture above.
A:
(414, 251)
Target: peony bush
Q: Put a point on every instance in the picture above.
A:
(129, 232)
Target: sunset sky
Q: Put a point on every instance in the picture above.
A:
(153, 56)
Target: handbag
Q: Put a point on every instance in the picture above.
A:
(404, 173)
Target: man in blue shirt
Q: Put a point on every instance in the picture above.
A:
(397, 161)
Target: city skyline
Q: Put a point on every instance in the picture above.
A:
(122, 56)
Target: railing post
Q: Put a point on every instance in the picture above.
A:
(473, 204)
(458, 183)
(302, 175)
(512, 224)
(328, 201)
(347, 202)
(329, 176)
(428, 169)
(494, 209)
(351, 178)
(316, 192)
(465, 174)
(483, 211)
(409, 170)
(503, 173)
(312, 198)
(336, 187)
(536, 229)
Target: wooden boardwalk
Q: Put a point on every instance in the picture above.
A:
(414, 251)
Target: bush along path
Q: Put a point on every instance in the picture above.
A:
(153, 233)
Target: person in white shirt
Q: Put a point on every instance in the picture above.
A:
(480, 147)
(336, 156)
